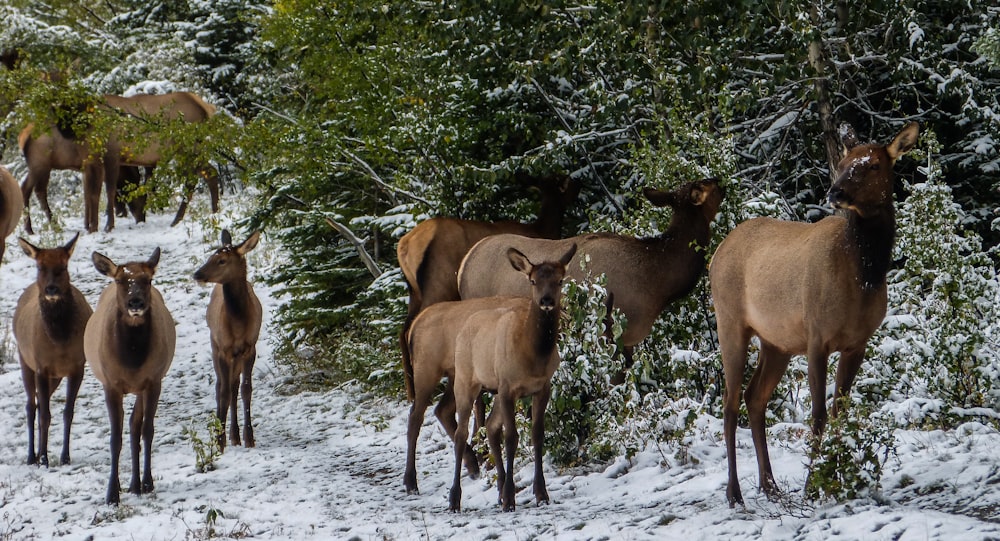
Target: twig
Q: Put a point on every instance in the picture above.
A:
(350, 236)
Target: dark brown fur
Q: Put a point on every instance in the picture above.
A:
(806, 289)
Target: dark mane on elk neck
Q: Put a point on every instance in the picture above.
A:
(873, 238)
(59, 318)
(133, 342)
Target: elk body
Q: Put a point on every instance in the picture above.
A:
(234, 317)
(55, 150)
(643, 275)
(129, 344)
(49, 321)
(806, 289)
(11, 204)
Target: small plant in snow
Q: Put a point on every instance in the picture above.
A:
(205, 452)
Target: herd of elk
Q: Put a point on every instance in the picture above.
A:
(643, 275)
(234, 316)
(129, 344)
(48, 325)
(806, 288)
(53, 149)
(506, 345)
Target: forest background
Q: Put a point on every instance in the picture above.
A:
(372, 116)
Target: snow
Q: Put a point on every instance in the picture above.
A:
(329, 465)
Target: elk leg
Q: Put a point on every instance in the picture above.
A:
(211, 176)
(494, 433)
(505, 401)
(93, 179)
(135, 435)
(43, 391)
(222, 392)
(538, 404)
(111, 172)
(30, 408)
(771, 366)
(420, 402)
(817, 387)
(246, 391)
(445, 412)
(189, 187)
(72, 390)
(151, 398)
(847, 370)
(464, 398)
(116, 415)
(234, 391)
(733, 343)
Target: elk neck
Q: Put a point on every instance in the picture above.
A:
(59, 317)
(872, 238)
(541, 328)
(133, 341)
(236, 296)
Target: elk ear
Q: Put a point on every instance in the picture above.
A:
(71, 244)
(698, 195)
(103, 264)
(248, 244)
(30, 249)
(848, 137)
(154, 259)
(565, 259)
(905, 140)
(227, 239)
(659, 198)
(519, 261)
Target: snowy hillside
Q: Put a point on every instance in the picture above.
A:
(330, 465)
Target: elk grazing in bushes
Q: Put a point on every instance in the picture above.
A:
(55, 150)
(129, 343)
(643, 275)
(234, 316)
(10, 207)
(806, 288)
(48, 326)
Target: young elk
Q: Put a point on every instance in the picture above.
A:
(644, 275)
(234, 316)
(806, 289)
(11, 204)
(509, 347)
(48, 326)
(129, 344)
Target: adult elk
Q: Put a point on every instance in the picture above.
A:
(806, 289)
(507, 344)
(234, 316)
(129, 345)
(643, 275)
(49, 321)
(54, 149)
(10, 207)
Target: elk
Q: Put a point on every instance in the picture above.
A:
(234, 316)
(643, 275)
(48, 326)
(806, 288)
(53, 149)
(129, 344)
(10, 207)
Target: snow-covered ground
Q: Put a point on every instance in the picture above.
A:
(330, 465)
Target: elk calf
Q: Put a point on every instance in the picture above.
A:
(49, 321)
(129, 343)
(234, 316)
(509, 345)
(806, 289)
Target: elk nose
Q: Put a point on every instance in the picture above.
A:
(136, 304)
(51, 290)
(547, 303)
(836, 194)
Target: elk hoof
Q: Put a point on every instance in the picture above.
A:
(43, 460)
(734, 496)
(64, 459)
(455, 500)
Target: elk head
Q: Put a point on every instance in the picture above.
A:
(133, 283)
(864, 174)
(706, 194)
(229, 262)
(546, 278)
(53, 273)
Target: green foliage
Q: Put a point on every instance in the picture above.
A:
(206, 452)
(848, 461)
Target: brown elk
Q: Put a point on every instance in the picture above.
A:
(234, 316)
(129, 343)
(54, 150)
(10, 207)
(806, 289)
(510, 349)
(48, 326)
(643, 275)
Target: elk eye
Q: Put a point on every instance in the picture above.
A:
(532, 280)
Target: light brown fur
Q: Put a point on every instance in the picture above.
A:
(502, 344)
(11, 204)
(129, 344)
(806, 289)
(643, 275)
(234, 316)
(52, 150)
(49, 321)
